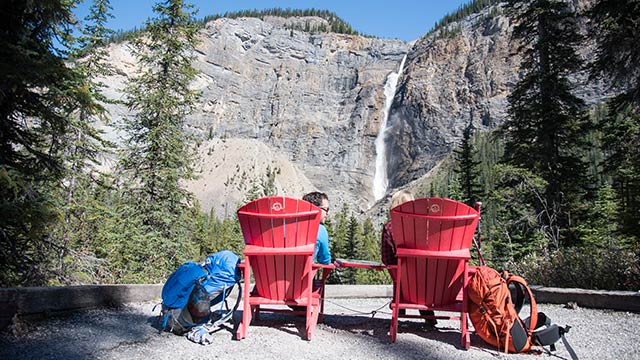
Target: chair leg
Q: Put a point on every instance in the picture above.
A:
(246, 307)
(464, 326)
(312, 319)
(466, 338)
(466, 341)
(393, 331)
(246, 320)
(395, 310)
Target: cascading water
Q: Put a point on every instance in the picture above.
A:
(380, 179)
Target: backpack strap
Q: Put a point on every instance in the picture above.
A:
(550, 335)
(522, 290)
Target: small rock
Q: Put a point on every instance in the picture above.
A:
(18, 327)
(571, 305)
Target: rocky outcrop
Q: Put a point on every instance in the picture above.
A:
(314, 100)
(450, 82)
(307, 107)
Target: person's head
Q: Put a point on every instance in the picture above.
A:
(399, 197)
(320, 200)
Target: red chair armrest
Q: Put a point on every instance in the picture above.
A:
(324, 266)
(462, 254)
(298, 250)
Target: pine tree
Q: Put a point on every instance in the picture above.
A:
(84, 145)
(515, 231)
(353, 243)
(369, 249)
(454, 187)
(467, 168)
(546, 127)
(617, 28)
(337, 226)
(37, 94)
(160, 154)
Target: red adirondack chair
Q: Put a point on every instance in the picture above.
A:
(280, 235)
(433, 237)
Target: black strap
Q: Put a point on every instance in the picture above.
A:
(517, 297)
(519, 336)
(573, 354)
(547, 336)
(543, 320)
(550, 335)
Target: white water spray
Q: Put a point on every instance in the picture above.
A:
(380, 179)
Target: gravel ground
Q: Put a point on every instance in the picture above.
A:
(348, 332)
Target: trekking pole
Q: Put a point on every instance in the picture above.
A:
(477, 240)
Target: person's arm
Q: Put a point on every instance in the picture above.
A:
(322, 254)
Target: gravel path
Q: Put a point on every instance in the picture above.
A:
(131, 333)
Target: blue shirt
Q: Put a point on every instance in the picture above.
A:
(322, 254)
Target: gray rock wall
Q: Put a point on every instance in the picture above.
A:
(450, 82)
(310, 105)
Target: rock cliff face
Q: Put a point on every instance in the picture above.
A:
(315, 99)
(451, 82)
(306, 108)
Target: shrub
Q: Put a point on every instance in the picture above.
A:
(612, 268)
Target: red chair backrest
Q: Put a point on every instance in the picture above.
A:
(280, 223)
(434, 224)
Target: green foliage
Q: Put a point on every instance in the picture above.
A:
(473, 7)
(621, 146)
(546, 129)
(617, 62)
(369, 249)
(26, 214)
(336, 24)
(454, 188)
(89, 232)
(83, 145)
(38, 92)
(158, 216)
(126, 35)
(449, 31)
(467, 169)
(338, 234)
(610, 268)
(351, 239)
(515, 230)
(221, 234)
(264, 186)
(616, 28)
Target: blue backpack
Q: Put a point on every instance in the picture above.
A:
(191, 290)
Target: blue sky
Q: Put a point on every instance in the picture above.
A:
(402, 19)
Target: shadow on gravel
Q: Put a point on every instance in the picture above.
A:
(84, 335)
(288, 323)
(377, 330)
(375, 333)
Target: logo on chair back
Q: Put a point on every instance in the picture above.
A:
(276, 206)
(434, 208)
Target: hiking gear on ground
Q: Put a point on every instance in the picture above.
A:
(495, 301)
(191, 291)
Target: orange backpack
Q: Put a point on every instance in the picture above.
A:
(494, 304)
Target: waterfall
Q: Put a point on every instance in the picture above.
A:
(380, 179)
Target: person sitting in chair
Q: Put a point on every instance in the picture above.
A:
(322, 254)
(388, 249)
